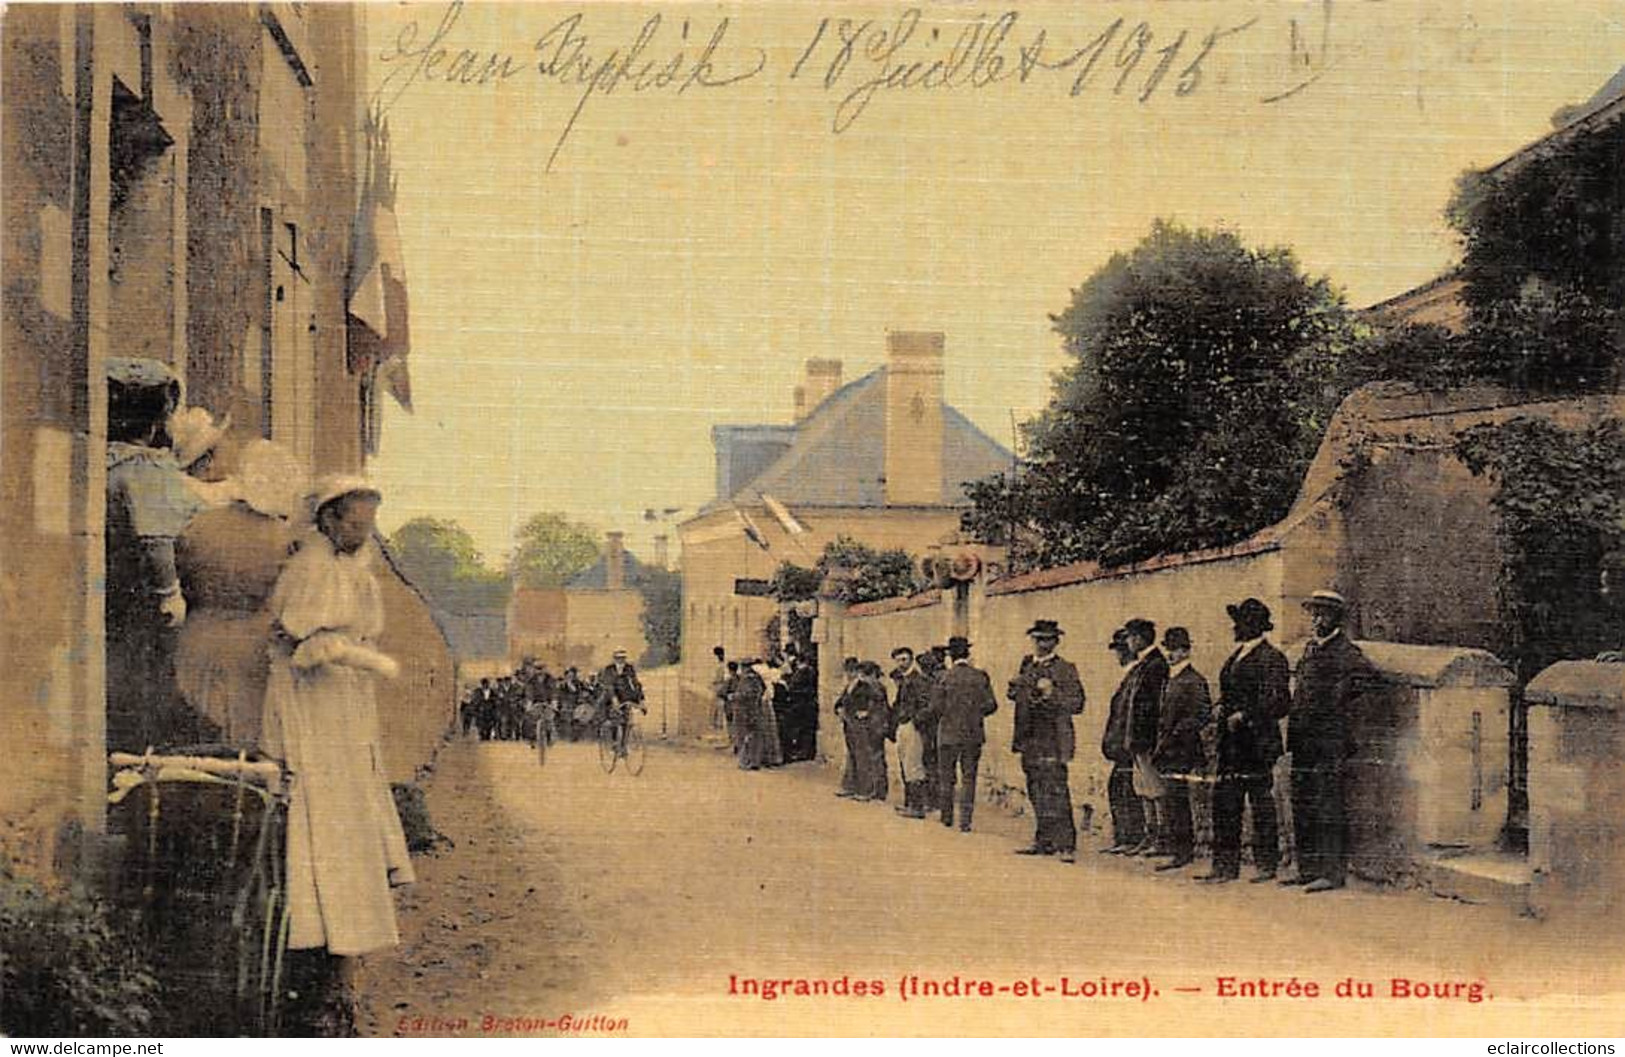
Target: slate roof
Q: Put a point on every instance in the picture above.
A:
(838, 455)
(474, 635)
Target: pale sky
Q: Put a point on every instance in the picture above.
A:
(577, 332)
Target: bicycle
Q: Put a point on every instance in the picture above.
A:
(620, 739)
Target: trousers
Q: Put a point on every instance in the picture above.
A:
(1229, 796)
(956, 772)
(1320, 823)
(1051, 797)
(849, 778)
(1176, 834)
(1128, 811)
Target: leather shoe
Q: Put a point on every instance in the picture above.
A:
(1262, 877)
(1216, 878)
(1115, 849)
(1320, 884)
(1176, 864)
(1299, 879)
(1034, 850)
(1069, 856)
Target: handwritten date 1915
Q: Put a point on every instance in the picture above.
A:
(862, 58)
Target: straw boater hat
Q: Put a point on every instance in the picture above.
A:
(269, 478)
(194, 433)
(337, 486)
(1325, 600)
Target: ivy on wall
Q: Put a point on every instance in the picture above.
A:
(1560, 497)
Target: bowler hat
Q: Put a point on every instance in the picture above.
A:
(1142, 627)
(1046, 629)
(1119, 638)
(1326, 599)
(1251, 612)
(959, 646)
(1177, 639)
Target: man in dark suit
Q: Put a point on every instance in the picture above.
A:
(844, 705)
(1177, 755)
(1254, 696)
(960, 702)
(933, 662)
(620, 691)
(1128, 813)
(1147, 677)
(912, 704)
(1331, 678)
(1047, 693)
(799, 723)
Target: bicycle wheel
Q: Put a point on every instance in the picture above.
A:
(636, 750)
(606, 747)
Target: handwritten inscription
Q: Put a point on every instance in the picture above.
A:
(854, 62)
(858, 60)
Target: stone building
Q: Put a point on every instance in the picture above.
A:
(582, 624)
(181, 184)
(883, 459)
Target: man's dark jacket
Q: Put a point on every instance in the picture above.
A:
(1114, 738)
(960, 701)
(913, 704)
(1331, 678)
(1185, 706)
(1043, 723)
(1143, 693)
(1258, 686)
(620, 685)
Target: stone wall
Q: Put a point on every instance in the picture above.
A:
(1577, 789)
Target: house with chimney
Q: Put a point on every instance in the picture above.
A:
(882, 459)
(597, 611)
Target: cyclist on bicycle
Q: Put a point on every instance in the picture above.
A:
(621, 692)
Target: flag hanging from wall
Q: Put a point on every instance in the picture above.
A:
(378, 328)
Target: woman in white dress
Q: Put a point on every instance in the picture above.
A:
(345, 844)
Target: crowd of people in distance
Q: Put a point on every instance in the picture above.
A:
(531, 702)
(769, 707)
(1164, 734)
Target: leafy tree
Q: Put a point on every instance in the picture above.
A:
(550, 548)
(796, 583)
(1543, 265)
(440, 557)
(662, 615)
(1203, 374)
(857, 572)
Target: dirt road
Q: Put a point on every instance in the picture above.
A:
(648, 902)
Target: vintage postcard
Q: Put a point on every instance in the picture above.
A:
(842, 519)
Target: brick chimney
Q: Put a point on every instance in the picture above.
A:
(914, 417)
(661, 555)
(615, 561)
(823, 378)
